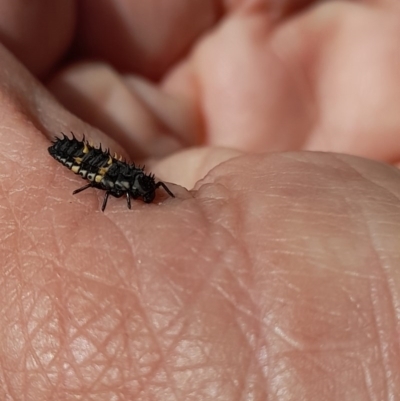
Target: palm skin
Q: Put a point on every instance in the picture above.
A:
(276, 276)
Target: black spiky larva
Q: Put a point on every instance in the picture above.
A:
(104, 171)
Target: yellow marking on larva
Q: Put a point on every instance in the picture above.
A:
(85, 149)
(75, 169)
(78, 160)
(110, 160)
(102, 170)
(98, 178)
(115, 156)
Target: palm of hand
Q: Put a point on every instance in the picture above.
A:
(270, 277)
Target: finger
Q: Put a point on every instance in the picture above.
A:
(33, 114)
(300, 84)
(144, 119)
(150, 36)
(194, 105)
(282, 9)
(188, 167)
(37, 32)
(350, 99)
(245, 88)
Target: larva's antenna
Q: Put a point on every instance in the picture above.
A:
(161, 184)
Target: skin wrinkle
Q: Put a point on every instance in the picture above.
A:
(171, 347)
(104, 343)
(105, 370)
(298, 346)
(65, 347)
(83, 331)
(29, 351)
(160, 351)
(5, 390)
(59, 311)
(130, 356)
(33, 336)
(389, 380)
(376, 299)
(249, 262)
(369, 382)
(210, 280)
(112, 252)
(233, 276)
(245, 334)
(19, 264)
(128, 247)
(377, 248)
(60, 319)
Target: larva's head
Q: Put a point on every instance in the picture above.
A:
(148, 185)
(145, 187)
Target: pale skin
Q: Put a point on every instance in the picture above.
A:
(270, 276)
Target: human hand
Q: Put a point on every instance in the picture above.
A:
(275, 278)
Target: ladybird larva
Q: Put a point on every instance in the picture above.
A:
(106, 172)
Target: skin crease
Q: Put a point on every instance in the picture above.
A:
(277, 276)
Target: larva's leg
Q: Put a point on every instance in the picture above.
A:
(105, 201)
(82, 189)
(128, 200)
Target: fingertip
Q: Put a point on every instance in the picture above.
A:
(187, 167)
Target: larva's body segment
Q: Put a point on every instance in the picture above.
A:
(103, 171)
